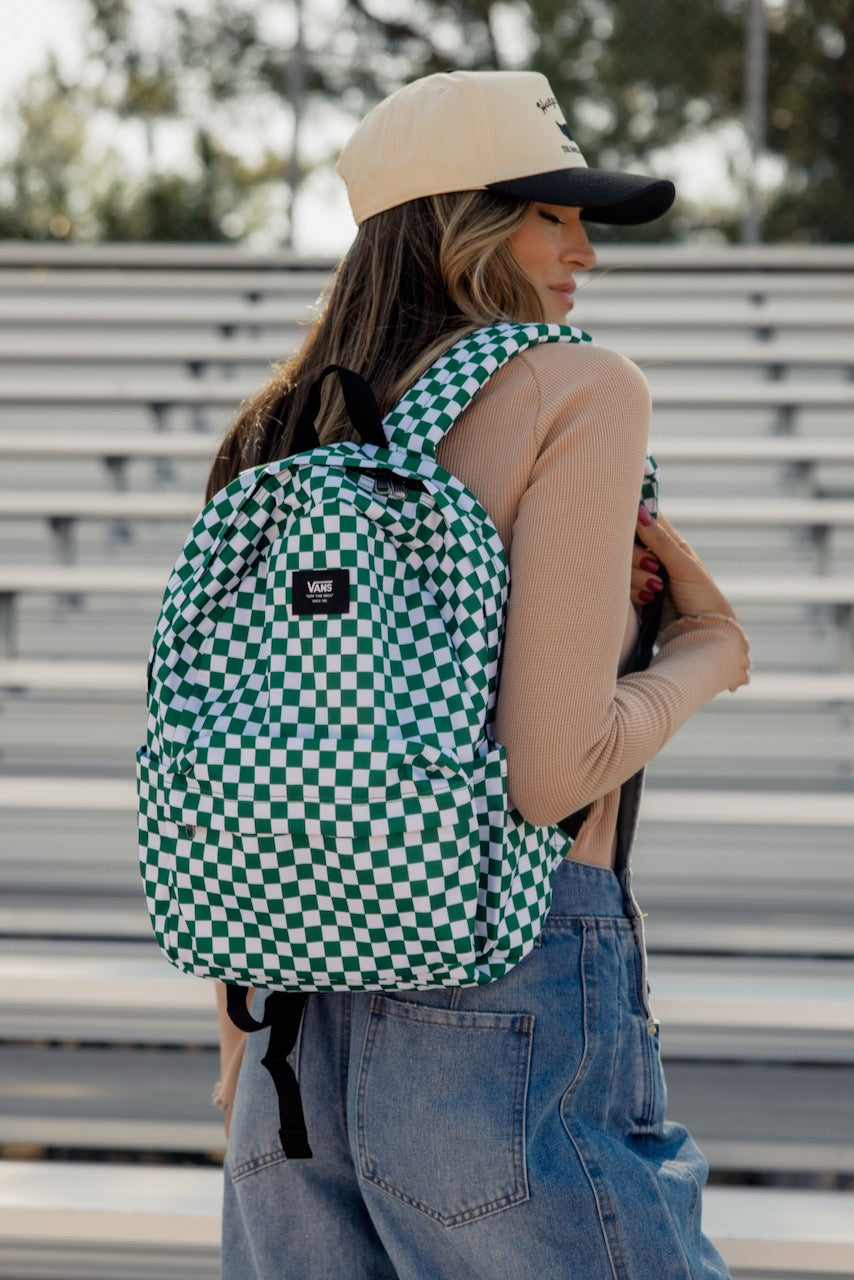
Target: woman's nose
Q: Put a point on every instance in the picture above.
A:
(579, 250)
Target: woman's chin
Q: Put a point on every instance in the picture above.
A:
(559, 314)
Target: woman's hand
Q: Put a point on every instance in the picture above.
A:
(219, 1101)
(691, 588)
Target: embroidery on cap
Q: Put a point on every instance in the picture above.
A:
(573, 145)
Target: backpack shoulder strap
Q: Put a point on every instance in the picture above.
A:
(431, 407)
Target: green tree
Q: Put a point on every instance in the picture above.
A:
(40, 186)
(640, 75)
(811, 119)
(636, 77)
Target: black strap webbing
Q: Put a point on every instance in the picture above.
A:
(282, 1014)
(361, 405)
(650, 625)
(572, 825)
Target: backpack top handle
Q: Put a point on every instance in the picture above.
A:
(362, 410)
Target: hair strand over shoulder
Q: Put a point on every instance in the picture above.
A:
(416, 278)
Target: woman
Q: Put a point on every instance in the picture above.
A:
(514, 1129)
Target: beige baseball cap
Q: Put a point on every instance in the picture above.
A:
(485, 130)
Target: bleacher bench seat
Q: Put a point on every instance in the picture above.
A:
(134, 1210)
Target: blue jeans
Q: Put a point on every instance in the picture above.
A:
(503, 1132)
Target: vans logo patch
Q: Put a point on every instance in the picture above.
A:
(320, 591)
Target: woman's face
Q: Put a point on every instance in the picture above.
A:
(549, 246)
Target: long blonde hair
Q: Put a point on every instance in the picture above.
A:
(415, 279)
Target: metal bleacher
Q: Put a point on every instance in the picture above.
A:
(118, 367)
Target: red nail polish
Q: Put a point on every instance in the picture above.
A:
(646, 596)
(654, 584)
(644, 516)
(649, 563)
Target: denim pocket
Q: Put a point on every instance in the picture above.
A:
(461, 1158)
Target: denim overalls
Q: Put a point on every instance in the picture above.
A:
(506, 1132)
(513, 1131)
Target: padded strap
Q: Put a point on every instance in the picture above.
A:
(431, 407)
(283, 1012)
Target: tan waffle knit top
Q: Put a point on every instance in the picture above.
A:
(554, 449)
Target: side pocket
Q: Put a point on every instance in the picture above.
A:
(312, 882)
(157, 849)
(517, 860)
(441, 1108)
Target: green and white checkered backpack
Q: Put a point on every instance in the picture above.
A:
(322, 806)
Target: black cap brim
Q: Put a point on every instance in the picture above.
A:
(603, 195)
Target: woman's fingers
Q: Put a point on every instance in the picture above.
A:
(692, 588)
(663, 541)
(664, 526)
(645, 581)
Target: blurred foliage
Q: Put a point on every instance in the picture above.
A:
(38, 186)
(214, 81)
(644, 73)
(811, 120)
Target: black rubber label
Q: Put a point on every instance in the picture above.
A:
(320, 591)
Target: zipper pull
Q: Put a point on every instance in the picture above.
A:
(388, 485)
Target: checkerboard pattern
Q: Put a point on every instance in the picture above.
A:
(649, 486)
(321, 804)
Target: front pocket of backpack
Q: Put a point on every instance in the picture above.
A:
(303, 911)
(441, 1108)
(323, 887)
